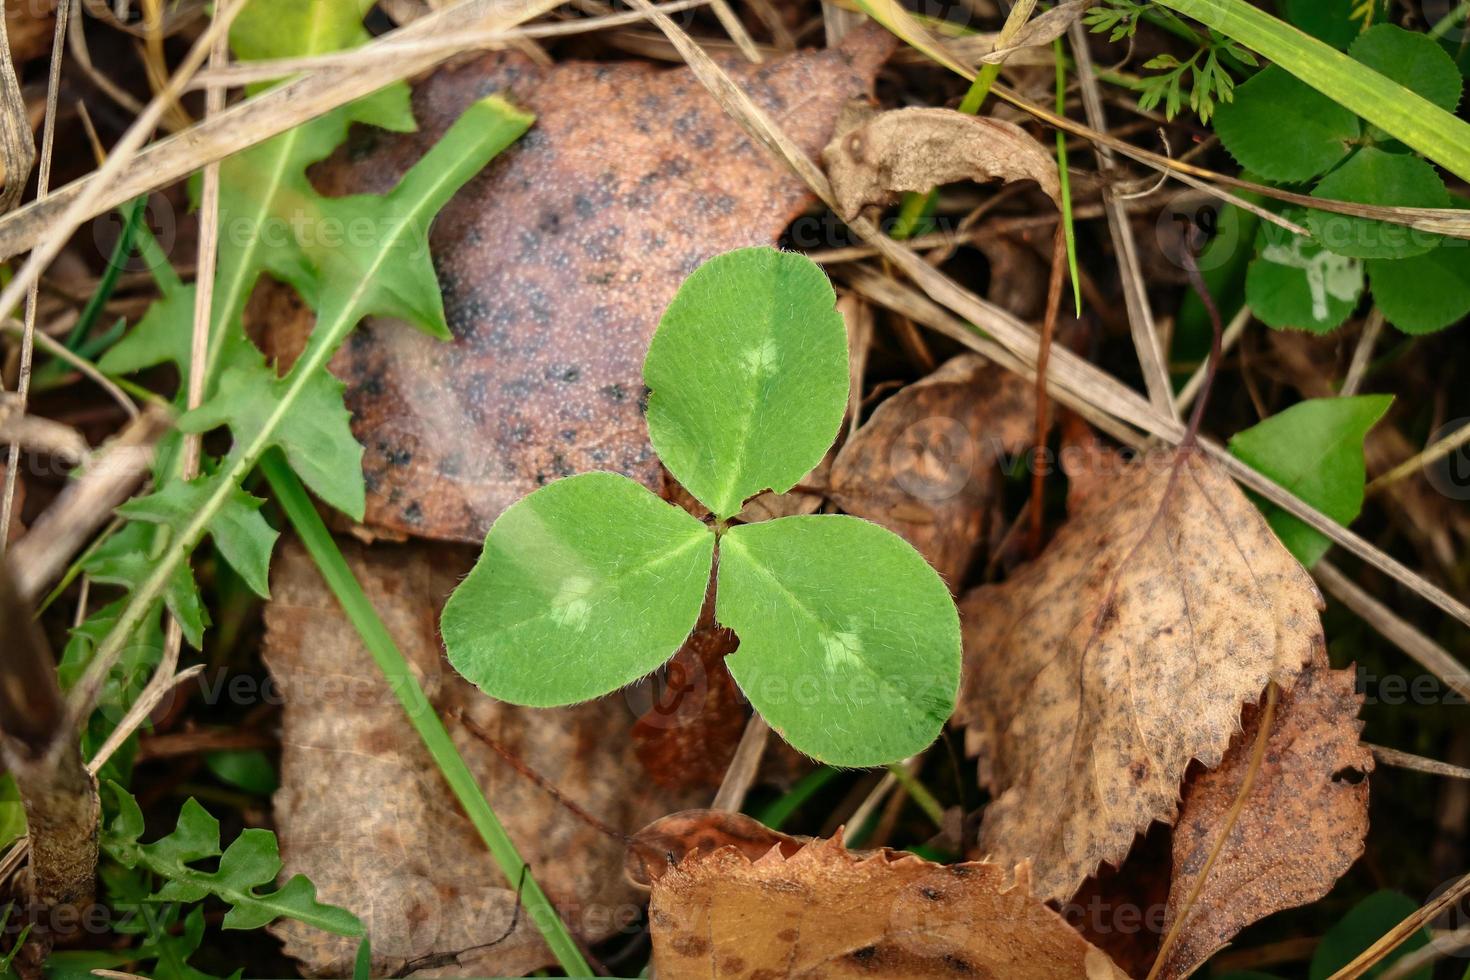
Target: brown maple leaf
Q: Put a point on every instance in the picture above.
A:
(1097, 673)
(556, 264)
(1300, 829)
(923, 465)
(363, 811)
(823, 912)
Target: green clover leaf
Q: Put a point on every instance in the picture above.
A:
(849, 642)
(1376, 176)
(1427, 292)
(1283, 129)
(584, 586)
(1295, 283)
(748, 373)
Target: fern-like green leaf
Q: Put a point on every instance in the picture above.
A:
(266, 200)
(242, 536)
(249, 864)
(128, 559)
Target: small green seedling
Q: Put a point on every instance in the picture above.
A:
(849, 640)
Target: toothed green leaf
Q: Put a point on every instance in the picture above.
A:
(127, 558)
(164, 335)
(1375, 176)
(242, 536)
(313, 430)
(1427, 292)
(267, 204)
(1415, 61)
(1283, 129)
(1295, 283)
(250, 863)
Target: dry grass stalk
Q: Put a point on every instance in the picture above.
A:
(43, 187)
(391, 46)
(1151, 357)
(86, 504)
(129, 173)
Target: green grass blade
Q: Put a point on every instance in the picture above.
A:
(1406, 116)
(1064, 178)
(405, 686)
(132, 217)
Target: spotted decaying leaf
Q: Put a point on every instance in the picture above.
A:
(823, 912)
(1094, 675)
(923, 465)
(556, 264)
(1300, 829)
(872, 163)
(363, 811)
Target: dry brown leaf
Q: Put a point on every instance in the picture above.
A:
(1094, 675)
(556, 264)
(1300, 829)
(363, 811)
(29, 24)
(694, 714)
(914, 150)
(667, 841)
(828, 912)
(923, 465)
(1040, 30)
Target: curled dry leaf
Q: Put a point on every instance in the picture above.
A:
(825, 912)
(1094, 675)
(667, 841)
(1040, 30)
(923, 465)
(913, 150)
(1299, 830)
(1301, 827)
(556, 264)
(364, 812)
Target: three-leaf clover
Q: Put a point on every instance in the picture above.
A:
(849, 640)
(1286, 131)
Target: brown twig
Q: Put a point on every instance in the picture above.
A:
(587, 817)
(86, 504)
